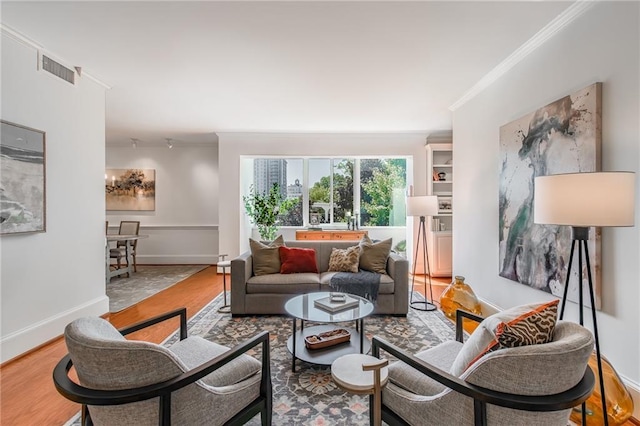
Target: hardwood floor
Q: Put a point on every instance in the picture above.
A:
(27, 393)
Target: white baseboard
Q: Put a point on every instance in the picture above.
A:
(177, 259)
(634, 390)
(30, 337)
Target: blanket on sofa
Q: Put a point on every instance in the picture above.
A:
(362, 283)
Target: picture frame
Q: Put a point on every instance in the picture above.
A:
(130, 189)
(23, 179)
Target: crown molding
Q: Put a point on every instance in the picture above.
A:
(548, 31)
(26, 41)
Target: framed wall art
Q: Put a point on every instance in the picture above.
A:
(22, 179)
(561, 137)
(130, 189)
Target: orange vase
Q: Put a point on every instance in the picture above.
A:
(619, 402)
(459, 295)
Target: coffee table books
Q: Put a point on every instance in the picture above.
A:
(330, 305)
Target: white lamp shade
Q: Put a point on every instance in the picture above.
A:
(585, 199)
(423, 205)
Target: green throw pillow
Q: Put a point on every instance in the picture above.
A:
(373, 256)
(266, 258)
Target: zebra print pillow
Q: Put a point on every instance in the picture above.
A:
(533, 317)
(533, 328)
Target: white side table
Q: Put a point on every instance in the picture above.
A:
(364, 375)
(224, 264)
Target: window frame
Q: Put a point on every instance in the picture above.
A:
(356, 196)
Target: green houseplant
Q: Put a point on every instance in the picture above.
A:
(263, 209)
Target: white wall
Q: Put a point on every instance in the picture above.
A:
(602, 45)
(232, 146)
(49, 279)
(183, 229)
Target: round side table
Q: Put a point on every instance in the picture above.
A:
(224, 264)
(364, 375)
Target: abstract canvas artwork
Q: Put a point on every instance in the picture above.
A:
(130, 189)
(562, 137)
(22, 179)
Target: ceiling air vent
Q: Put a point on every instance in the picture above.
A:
(58, 69)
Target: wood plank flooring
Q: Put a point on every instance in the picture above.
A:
(27, 393)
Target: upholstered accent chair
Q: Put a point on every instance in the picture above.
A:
(127, 227)
(193, 382)
(526, 385)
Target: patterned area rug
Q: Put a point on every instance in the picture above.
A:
(149, 280)
(309, 397)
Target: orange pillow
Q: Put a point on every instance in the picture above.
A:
(297, 260)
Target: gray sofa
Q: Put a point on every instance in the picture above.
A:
(267, 294)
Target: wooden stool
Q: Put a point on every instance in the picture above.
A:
(224, 264)
(352, 373)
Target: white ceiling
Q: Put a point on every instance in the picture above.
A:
(185, 70)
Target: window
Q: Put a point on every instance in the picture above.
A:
(324, 189)
(287, 174)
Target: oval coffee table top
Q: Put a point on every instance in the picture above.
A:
(303, 307)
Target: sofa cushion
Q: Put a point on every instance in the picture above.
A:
(284, 283)
(373, 256)
(297, 260)
(346, 260)
(484, 339)
(266, 257)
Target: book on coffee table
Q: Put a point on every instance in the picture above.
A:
(332, 306)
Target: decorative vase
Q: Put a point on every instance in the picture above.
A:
(619, 402)
(459, 295)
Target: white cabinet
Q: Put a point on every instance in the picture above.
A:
(440, 177)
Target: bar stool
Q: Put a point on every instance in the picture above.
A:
(224, 264)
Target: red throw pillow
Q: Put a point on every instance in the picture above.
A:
(297, 260)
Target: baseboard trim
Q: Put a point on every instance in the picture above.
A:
(26, 339)
(634, 390)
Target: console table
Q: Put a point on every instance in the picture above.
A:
(330, 235)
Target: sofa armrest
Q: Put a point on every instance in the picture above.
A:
(241, 271)
(398, 270)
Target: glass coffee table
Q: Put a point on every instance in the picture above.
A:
(303, 308)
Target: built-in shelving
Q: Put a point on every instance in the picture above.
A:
(440, 183)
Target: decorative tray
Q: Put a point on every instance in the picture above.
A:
(328, 338)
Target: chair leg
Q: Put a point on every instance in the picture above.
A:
(135, 263)
(266, 416)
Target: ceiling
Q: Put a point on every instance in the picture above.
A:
(187, 70)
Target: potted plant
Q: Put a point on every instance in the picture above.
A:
(263, 209)
(401, 248)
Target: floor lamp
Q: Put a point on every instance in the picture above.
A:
(422, 206)
(583, 200)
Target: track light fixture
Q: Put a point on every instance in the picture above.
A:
(169, 143)
(134, 142)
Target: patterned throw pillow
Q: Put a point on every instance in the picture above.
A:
(533, 329)
(373, 256)
(484, 339)
(346, 260)
(297, 260)
(266, 258)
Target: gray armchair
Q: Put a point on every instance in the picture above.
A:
(195, 381)
(526, 385)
